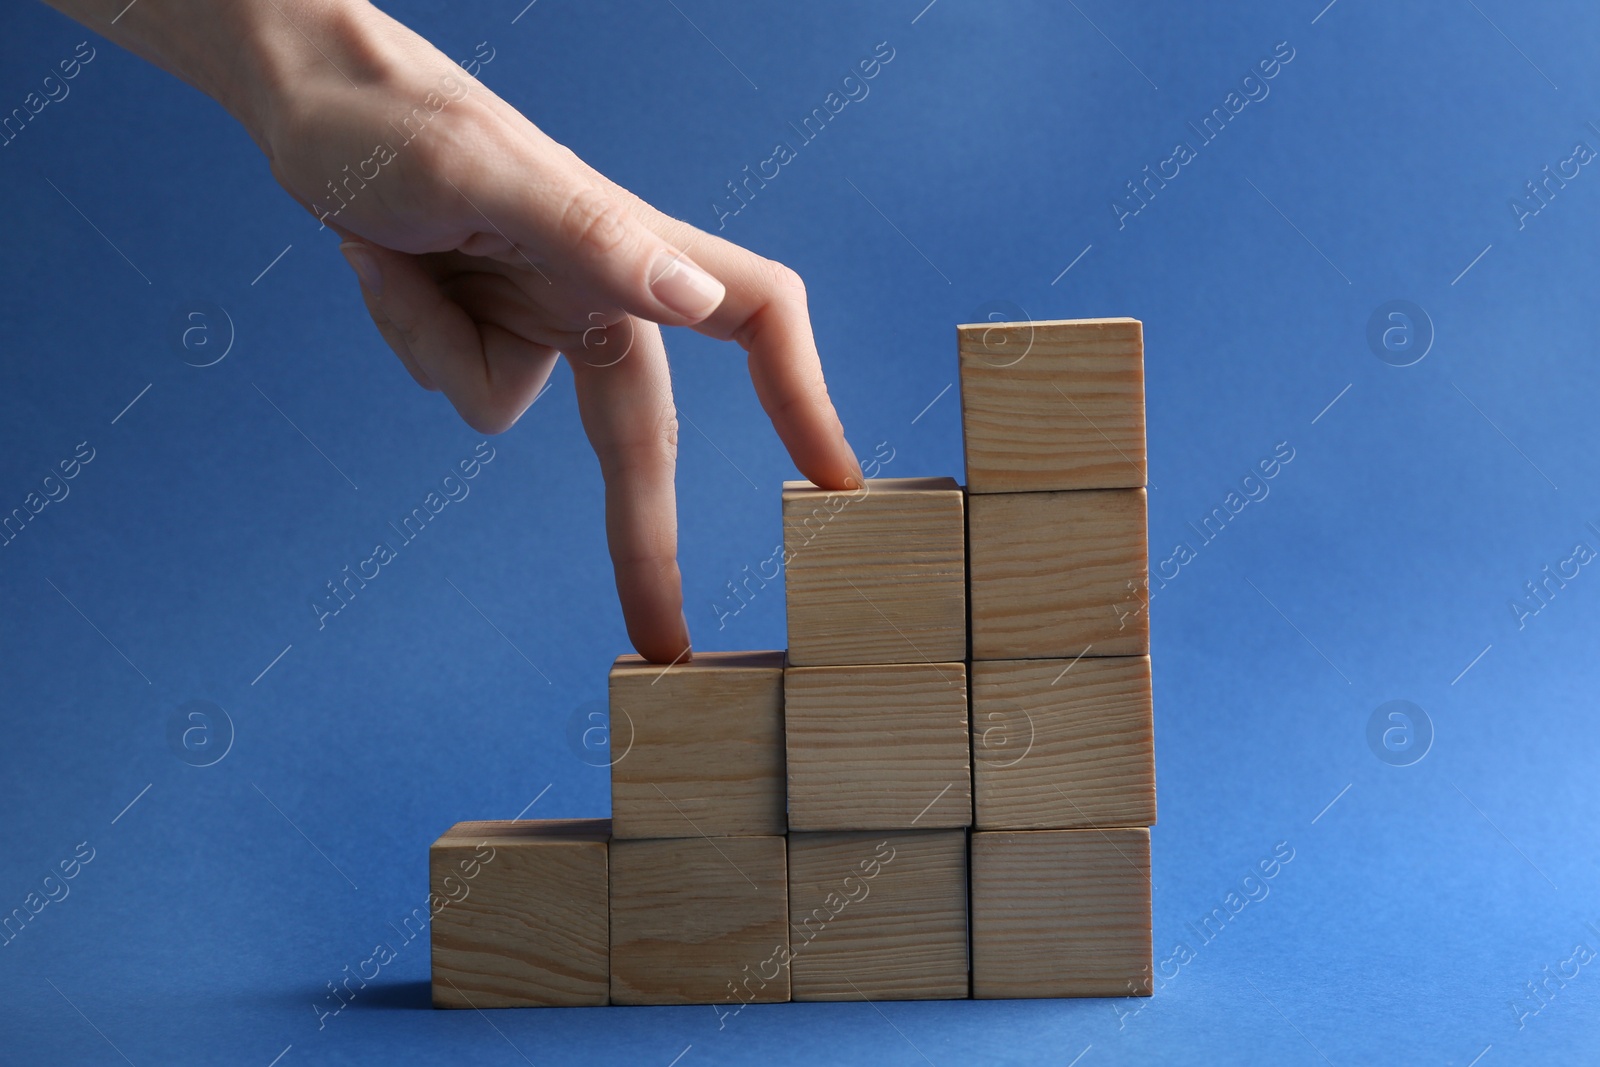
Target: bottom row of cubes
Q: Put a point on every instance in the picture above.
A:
(548, 913)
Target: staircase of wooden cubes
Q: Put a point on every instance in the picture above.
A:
(942, 789)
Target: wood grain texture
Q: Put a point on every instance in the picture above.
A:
(523, 921)
(878, 915)
(1063, 744)
(878, 575)
(883, 747)
(1056, 575)
(1053, 405)
(699, 921)
(698, 748)
(1061, 913)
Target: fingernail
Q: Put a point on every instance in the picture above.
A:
(860, 479)
(679, 283)
(365, 264)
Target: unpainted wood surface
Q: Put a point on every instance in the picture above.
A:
(880, 915)
(1061, 913)
(1053, 405)
(1058, 575)
(699, 921)
(698, 748)
(520, 914)
(877, 575)
(883, 746)
(1063, 744)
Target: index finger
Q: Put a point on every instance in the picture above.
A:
(628, 414)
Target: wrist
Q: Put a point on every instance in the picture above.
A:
(245, 54)
(287, 50)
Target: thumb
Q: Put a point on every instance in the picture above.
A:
(588, 232)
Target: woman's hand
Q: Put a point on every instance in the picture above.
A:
(484, 249)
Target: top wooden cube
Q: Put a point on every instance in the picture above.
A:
(878, 575)
(1053, 405)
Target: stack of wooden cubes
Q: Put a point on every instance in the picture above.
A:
(1063, 737)
(903, 805)
(878, 742)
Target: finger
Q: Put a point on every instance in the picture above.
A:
(493, 297)
(359, 262)
(490, 374)
(627, 411)
(556, 209)
(765, 311)
(396, 341)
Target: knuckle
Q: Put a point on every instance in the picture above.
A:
(480, 422)
(783, 298)
(434, 153)
(653, 562)
(492, 415)
(653, 446)
(566, 156)
(785, 281)
(669, 438)
(595, 221)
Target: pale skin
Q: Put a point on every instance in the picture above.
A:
(484, 250)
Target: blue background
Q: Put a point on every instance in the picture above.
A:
(984, 162)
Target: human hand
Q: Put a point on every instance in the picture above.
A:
(484, 249)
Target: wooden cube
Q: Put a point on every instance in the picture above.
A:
(700, 920)
(1063, 744)
(1061, 913)
(701, 746)
(1053, 405)
(520, 914)
(879, 915)
(877, 575)
(1059, 575)
(879, 747)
